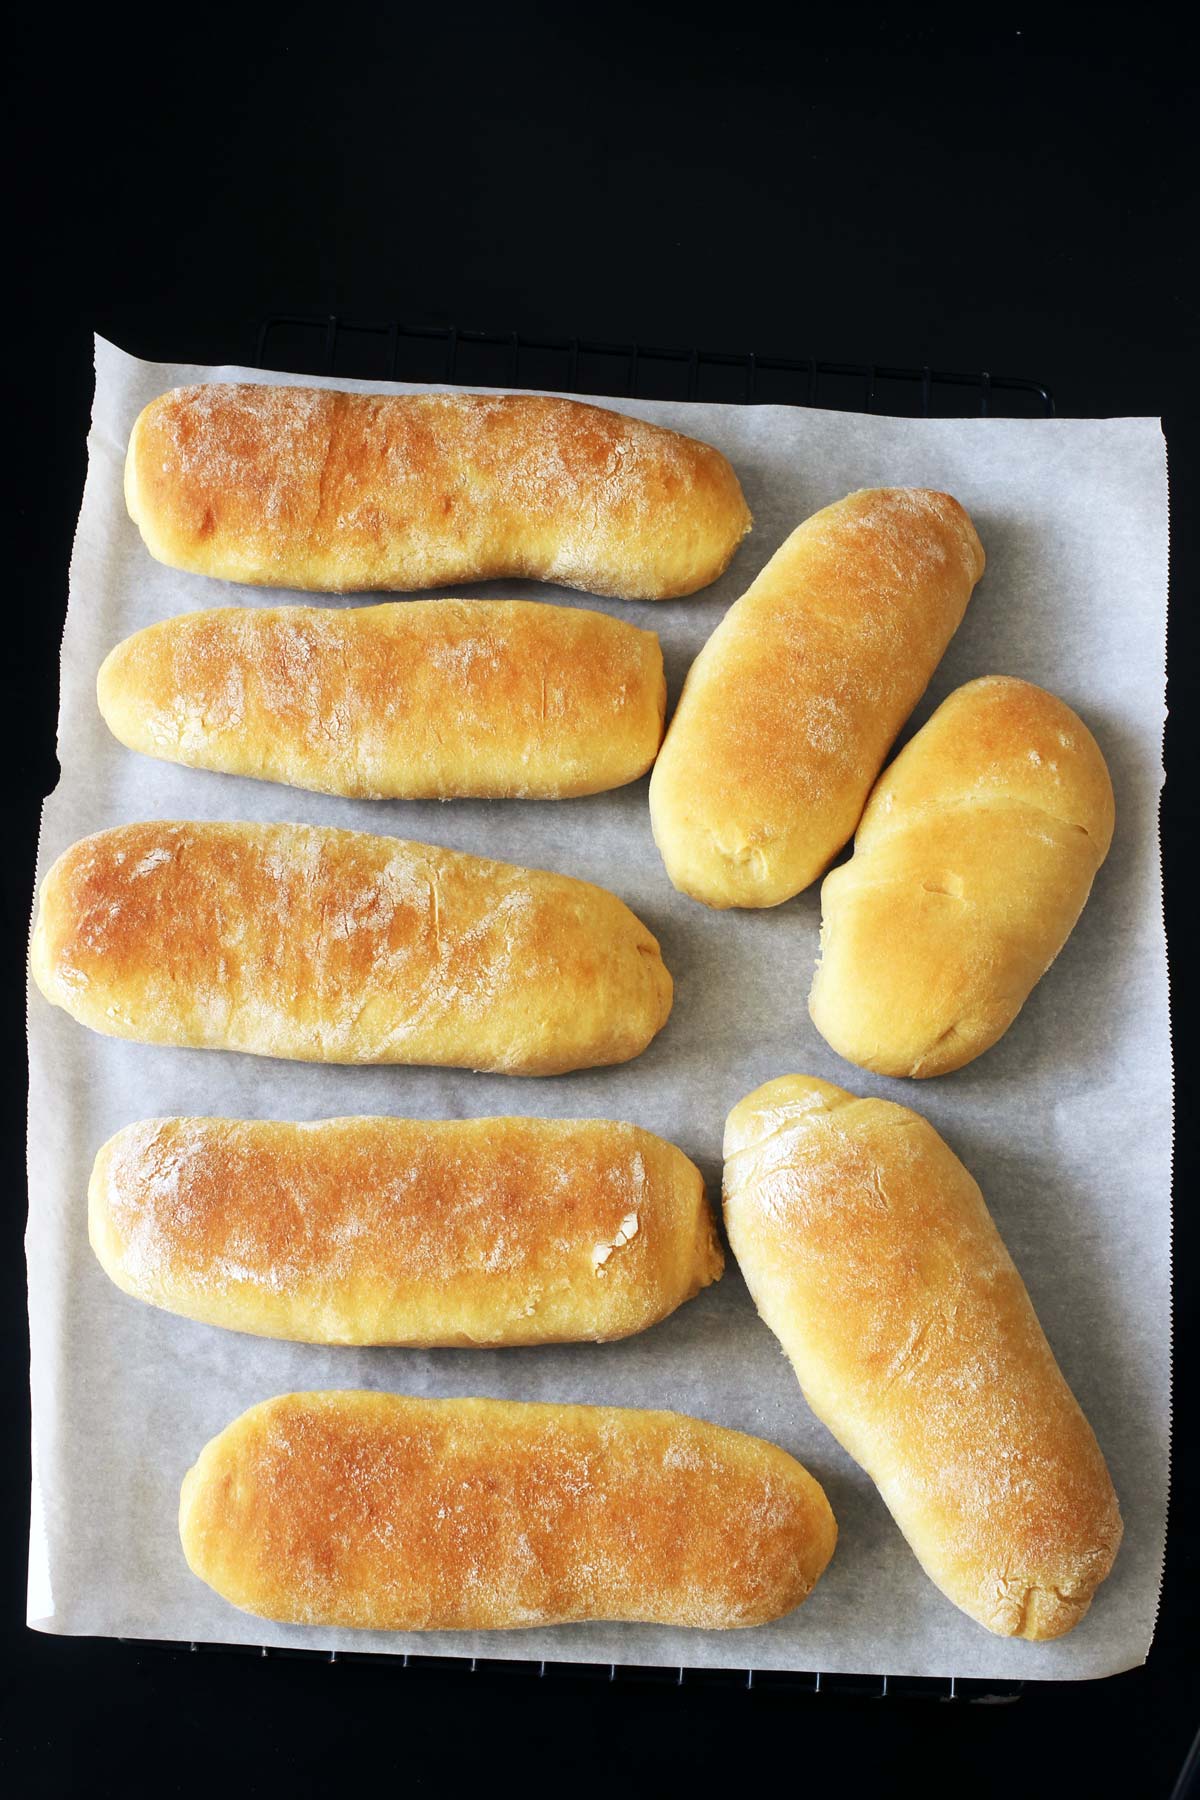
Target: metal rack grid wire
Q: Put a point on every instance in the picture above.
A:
(393, 351)
(948, 1688)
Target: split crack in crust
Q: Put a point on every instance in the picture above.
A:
(1003, 798)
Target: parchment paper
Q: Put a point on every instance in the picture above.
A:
(1066, 1123)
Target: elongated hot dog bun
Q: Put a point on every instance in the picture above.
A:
(299, 487)
(337, 946)
(974, 859)
(789, 709)
(871, 1255)
(420, 700)
(367, 1509)
(404, 1231)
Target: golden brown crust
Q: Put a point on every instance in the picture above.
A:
(872, 1257)
(367, 1509)
(338, 946)
(309, 488)
(420, 700)
(973, 861)
(449, 1233)
(789, 709)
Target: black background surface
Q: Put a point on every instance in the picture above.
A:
(1006, 201)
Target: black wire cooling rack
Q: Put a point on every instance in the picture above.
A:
(392, 351)
(521, 1670)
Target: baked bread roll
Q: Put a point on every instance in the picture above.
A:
(972, 863)
(872, 1257)
(418, 700)
(405, 1231)
(788, 711)
(337, 946)
(300, 487)
(369, 1509)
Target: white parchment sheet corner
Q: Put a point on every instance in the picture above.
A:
(1066, 1123)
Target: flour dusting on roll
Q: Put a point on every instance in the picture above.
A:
(453, 1233)
(394, 1514)
(311, 488)
(416, 700)
(321, 945)
(788, 711)
(871, 1255)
